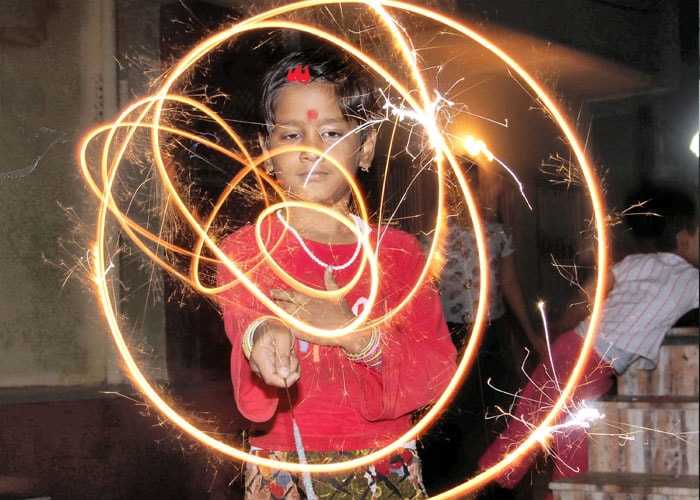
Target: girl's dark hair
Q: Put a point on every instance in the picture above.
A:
(658, 214)
(354, 86)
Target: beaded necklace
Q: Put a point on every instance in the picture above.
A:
(358, 222)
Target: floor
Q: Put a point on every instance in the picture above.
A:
(111, 446)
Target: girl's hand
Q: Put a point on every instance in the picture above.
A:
(273, 357)
(323, 313)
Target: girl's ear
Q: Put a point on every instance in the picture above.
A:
(262, 141)
(367, 150)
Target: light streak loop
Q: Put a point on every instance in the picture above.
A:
(421, 104)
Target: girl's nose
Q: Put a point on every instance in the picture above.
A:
(313, 146)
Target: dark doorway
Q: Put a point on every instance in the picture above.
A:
(228, 81)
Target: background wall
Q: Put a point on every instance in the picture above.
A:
(50, 329)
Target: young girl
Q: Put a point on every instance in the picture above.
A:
(351, 394)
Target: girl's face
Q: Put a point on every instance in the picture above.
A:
(308, 122)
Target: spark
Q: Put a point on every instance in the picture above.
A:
(521, 187)
(404, 113)
(582, 418)
(477, 146)
(541, 308)
(145, 123)
(25, 171)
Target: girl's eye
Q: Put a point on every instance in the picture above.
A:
(289, 136)
(333, 135)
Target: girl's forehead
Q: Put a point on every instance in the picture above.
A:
(312, 88)
(309, 98)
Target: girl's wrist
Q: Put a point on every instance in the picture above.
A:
(254, 330)
(370, 354)
(355, 343)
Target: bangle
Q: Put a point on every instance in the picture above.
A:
(249, 335)
(371, 355)
(372, 344)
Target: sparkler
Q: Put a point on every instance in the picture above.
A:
(147, 120)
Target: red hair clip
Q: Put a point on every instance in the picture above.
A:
(299, 74)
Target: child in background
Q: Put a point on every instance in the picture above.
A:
(353, 394)
(648, 292)
(465, 430)
(459, 280)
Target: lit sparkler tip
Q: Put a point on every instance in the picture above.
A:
(543, 435)
(585, 416)
(476, 146)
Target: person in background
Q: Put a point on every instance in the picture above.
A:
(465, 431)
(648, 292)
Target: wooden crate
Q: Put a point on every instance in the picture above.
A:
(619, 486)
(645, 436)
(677, 372)
(646, 445)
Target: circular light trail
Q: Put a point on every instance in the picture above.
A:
(418, 99)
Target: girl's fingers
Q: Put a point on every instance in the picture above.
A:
(282, 295)
(278, 372)
(329, 279)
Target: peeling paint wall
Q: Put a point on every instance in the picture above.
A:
(50, 329)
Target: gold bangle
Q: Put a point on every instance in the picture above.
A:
(371, 345)
(249, 335)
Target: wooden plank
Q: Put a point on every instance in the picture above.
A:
(619, 486)
(646, 438)
(676, 374)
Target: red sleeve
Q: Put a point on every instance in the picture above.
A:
(419, 358)
(255, 400)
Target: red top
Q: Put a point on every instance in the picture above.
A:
(339, 404)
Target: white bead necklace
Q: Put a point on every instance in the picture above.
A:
(358, 222)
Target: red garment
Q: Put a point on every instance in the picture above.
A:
(536, 400)
(339, 404)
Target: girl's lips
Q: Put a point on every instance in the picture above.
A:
(314, 175)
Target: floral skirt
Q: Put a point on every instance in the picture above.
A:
(397, 476)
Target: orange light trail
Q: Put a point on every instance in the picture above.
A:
(149, 115)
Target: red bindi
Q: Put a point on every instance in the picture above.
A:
(311, 114)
